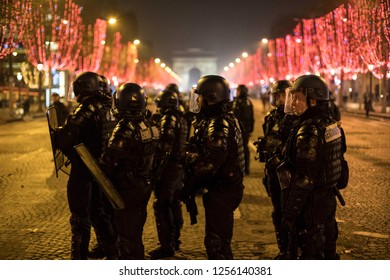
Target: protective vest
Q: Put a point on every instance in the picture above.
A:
(89, 124)
(318, 142)
(173, 134)
(131, 147)
(222, 133)
(271, 127)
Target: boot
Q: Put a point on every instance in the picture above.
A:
(97, 252)
(80, 239)
(162, 252)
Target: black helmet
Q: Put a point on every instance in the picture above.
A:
(167, 99)
(277, 91)
(129, 99)
(213, 89)
(280, 86)
(106, 86)
(88, 83)
(242, 91)
(313, 86)
(173, 87)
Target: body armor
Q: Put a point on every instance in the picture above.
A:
(271, 127)
(314, 151)
(132, 147)
(173, 133)
(128, 161)
(168, 181)
(89, 120)
(222, 153)
(276, 127)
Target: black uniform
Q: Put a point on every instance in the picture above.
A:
(128, 162)
(215, 161)
(243, 110)
(88, 124)
(314, 152)
(277, 127)
(168, 158)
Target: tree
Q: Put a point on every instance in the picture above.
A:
(11, 25)
(53, 36)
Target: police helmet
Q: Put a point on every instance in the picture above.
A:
(106, 86)
(213, 89)
(277, 92)
(280, 86)
(130, 99)
(88, 83)
(313, 86)
(173, 87)
(167, 99)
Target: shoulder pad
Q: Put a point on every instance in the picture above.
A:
(168, 120)
(80, 115)
(119, 138)
(308, 129)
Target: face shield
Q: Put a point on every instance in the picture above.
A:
(295, 102)
(71, 95)
(195, 102)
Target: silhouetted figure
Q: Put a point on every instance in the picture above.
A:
(61, 109)
(368, 104)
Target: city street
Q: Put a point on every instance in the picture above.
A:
(34, 214)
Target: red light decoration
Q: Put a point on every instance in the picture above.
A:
(53, 38)
(11, 25)
(92, 50)
(127, 63)
(344, 41)
(109, 66)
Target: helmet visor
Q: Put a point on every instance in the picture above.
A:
(295, 102)
(71, 95)
(195, 102)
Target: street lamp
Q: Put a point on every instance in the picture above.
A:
(112, 20)
(19, 76)
(370, 67)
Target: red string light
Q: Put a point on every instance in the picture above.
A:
(53, 38)
(93, 43)
(11, 25)
(344, 41)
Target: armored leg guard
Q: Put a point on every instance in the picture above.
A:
(165, 225)
(80, 237)
(178, 221)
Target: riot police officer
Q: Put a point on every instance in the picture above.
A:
(215, 161)
(183, 107)
(276, 127)
(243, 110)
(100, 201)
(128, 163)
(311, 170)
(169, 174)
(87, 125)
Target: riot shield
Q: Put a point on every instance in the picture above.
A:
(58, 156)
(100, 177)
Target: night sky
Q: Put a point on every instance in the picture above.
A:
(226, 27)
